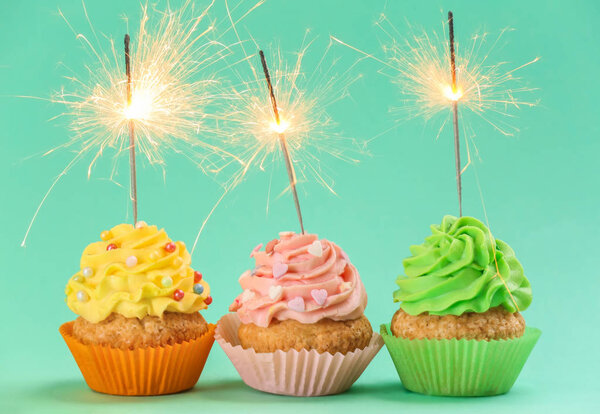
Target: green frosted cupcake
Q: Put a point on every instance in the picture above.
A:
(459, 331)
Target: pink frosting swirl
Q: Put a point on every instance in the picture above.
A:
(300, 277)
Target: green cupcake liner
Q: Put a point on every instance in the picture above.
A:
(461, 368)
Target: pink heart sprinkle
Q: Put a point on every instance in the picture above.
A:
(279, 269)
(256, 249)
(319, 295)
(296, 304)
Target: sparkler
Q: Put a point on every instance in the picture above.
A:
(133, 178)
(418, 64)
(284, 149)
(455, 111)
(161, 103)
(304, 95)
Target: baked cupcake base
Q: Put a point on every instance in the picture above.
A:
(141, 371)
(325, 335)
(496, 323)
(459, 367)
(297, 373)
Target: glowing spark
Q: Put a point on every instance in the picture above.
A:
(172, 82)
(304, 98)
(451, 94)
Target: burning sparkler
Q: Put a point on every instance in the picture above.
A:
(280, 128)
(437, 77)
(297, 120)
(160, 101)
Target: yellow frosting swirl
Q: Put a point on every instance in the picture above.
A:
(138, 277)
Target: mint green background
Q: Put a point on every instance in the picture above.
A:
(541, 191)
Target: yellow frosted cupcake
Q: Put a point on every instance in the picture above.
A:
(138, 331)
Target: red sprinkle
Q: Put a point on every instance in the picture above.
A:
(178, 294)
(197, 276)
(111, 246)
(170, 247)
(208, 300)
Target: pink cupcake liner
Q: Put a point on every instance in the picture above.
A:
(298, 373)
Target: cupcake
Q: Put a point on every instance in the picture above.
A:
(298, 327)
(139, 331)
(459, 330)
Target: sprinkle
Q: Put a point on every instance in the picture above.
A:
(271, 246)
(154, 255)
(286, 234)
(178, 294)
(140, 224)
(131, 261)
(198, 289)
(167, 281)
(275, 292)
(279, 269)
(105, 235)
(178, 261)
(247, 295)
(296, 304)
(256, 249)
(78, 278)
(87, 272)
(170, 247)
(208, 300)
(111, 246)
(319, 295)
(316, 249)
(82, 296)
(197, 276)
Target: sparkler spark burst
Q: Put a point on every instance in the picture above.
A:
(173, 81)
(419, 65)
(304, 99)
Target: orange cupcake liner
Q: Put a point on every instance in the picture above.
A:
(142, 371)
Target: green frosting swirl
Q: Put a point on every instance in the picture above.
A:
(454, 272)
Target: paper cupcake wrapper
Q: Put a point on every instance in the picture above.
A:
(143, 371)
(462, 367)
(298, 373)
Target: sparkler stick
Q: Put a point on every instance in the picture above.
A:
(286, 155)
(133, 189)
(455, 113)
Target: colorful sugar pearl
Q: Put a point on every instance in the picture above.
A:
(105, 235)
(131, 261)
(78, 278)
(197, 276)
(140, 224)
(170, 247)
(208, 300)
(177, 262)
(198, 289)
(87, 272)
(166, 281)
(111, 246)
(82, 296)
(178, 294)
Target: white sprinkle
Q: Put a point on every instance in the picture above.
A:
(82, 296)
(131, 261)
(87, 272)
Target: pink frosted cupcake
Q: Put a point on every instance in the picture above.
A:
(299, 326)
